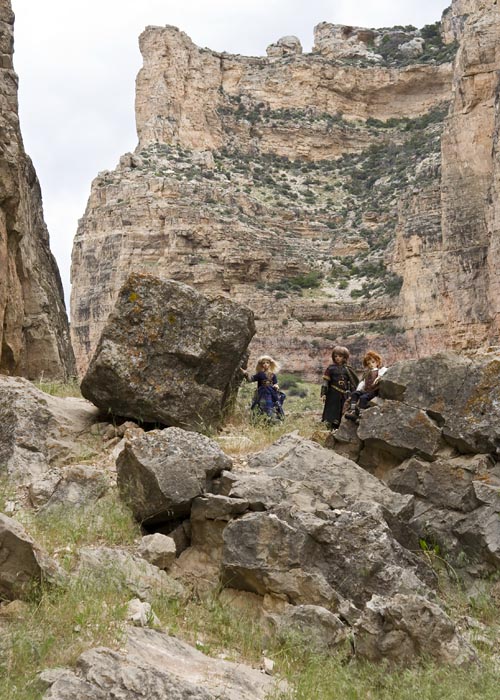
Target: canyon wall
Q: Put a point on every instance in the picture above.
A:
(309, 186)
(34, 332)
(448, 249)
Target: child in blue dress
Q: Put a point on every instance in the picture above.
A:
(268, 399)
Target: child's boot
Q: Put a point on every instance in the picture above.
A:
(353, 412)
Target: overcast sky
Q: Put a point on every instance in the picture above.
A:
(77, 61)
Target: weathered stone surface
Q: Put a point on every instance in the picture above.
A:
(303, 475)
(38, 431)
(169, 355)
(286, 46)
(399, 430)
(23, 564)
(158, 549)
(161, 472)
(446, 483)
(320, 560)
(141, 614)
(461, 394)
(139, 576)
(79, 486)
(404, 628)
(321, 629)
(34, 332)
(157, 666)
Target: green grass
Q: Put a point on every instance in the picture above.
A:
(59, 388)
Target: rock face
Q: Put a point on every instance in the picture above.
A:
(169, 355)
(34, 332)
(262, 177)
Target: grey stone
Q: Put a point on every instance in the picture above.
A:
(23, 563)
(140, 577)
(404, 628)
(158, 549)
(161, 472)
(169, 355)
(37, 431)
(156, 666)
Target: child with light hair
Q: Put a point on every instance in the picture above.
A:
(268, 399)
(368, 387)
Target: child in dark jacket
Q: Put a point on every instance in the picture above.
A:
(339, 380)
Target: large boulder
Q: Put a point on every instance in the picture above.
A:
(38, 431)
(161, 472)
(461, 394)
(169, 354)
(404, 628)
(156, 666)
(23, 564)
(398, 431)
(320, 559)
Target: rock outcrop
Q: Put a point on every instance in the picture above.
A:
(169, 355)
(275, 181)
(34, 332)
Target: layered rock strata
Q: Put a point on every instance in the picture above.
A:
(34, 332)
(274, 180)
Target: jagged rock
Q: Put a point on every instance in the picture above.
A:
(38, 431)
(319, 628)
(23, 564)
(169, 354)
(209, 516)
(139, 576)
(34, 331)
(338, 41)
(303, 475)
(286, 46)
(319, 560)
(158, 549)
(157, 666)
(161, 472)
(446, 483)
(460, 393)
(404, 628)
(398, 430)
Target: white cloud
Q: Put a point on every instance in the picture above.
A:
(77, 61)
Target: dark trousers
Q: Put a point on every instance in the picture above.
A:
(364, 397)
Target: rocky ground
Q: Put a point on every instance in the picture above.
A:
(262, 561)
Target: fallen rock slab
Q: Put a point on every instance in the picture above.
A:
(156, 666)
(169, 355)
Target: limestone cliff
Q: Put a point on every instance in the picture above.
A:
(275, 180)
(448, 235)
(34, 333)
